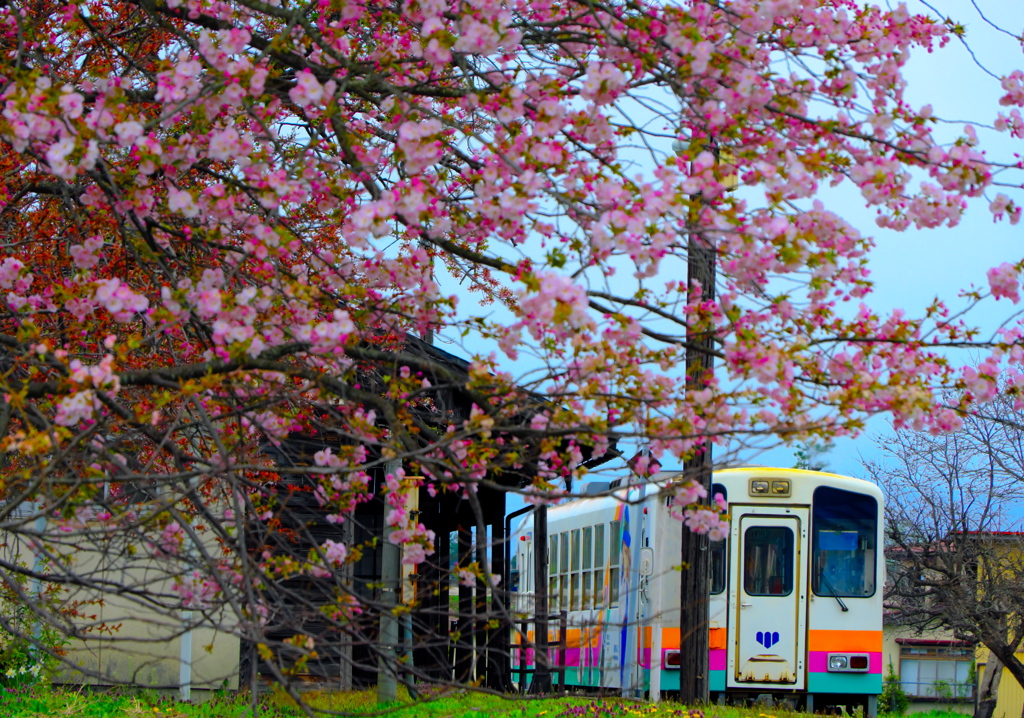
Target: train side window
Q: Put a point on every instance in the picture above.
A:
(588, 548)
(588, 565)
(615, 541)
(768, 561)
(719, 556)
(574, 569)
(563, 579)
(575, 551)
(718, 561)
(615, 551)
(844, 527)
(599, 565)
(553, 551)
(719, 489)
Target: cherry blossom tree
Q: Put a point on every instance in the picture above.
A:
(225, 223)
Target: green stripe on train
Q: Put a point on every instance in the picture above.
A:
(870, 683)
(669, 679)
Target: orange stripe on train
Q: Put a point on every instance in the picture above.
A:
(575, 638)
(670, 638)
(832, 640)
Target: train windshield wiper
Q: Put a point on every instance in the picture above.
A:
(835, 594)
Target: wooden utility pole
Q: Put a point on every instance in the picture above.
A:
(696, 558)
(695, 586)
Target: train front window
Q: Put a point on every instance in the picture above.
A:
(768, 561)
(844, 527)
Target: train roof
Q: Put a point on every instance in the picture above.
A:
(606, 495)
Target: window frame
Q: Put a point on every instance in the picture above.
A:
(930, 654)
(788, 563)
(820, 523)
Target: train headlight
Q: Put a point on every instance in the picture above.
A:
(848, 662)
(758, 486)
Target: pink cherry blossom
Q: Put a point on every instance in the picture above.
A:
(334, 552)
(1004, 281)
(307, 90)
(420, 143)
(603, 83)
(127, 132)
(84, 255)
(118, 299)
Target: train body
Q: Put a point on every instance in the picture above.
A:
(796, 589)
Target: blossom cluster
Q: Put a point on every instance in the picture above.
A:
(687, 504)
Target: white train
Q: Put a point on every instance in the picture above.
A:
(796, 589)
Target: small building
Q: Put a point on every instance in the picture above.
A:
(934, 669)
(456, 630)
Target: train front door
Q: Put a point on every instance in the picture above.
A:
(767, 634)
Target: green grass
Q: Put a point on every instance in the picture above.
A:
(42, 703)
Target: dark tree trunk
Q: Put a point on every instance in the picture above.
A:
(695, 584)
(542, 674)
(1008, 657)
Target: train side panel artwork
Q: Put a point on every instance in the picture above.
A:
(795, 606)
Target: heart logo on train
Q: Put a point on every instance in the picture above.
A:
(767, 638)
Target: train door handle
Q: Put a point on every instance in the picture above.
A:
(746, 605)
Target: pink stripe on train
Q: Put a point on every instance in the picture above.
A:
(716, 658)
(817, 661)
